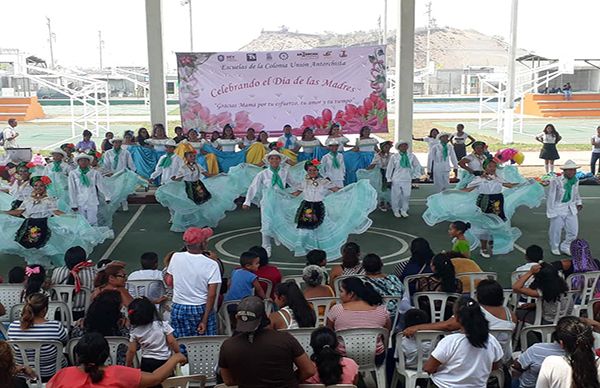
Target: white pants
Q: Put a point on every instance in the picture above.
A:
(90, 213)
(570, 225)
(441, 180)
(400, 195)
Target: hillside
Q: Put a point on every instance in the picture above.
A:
(451, 48)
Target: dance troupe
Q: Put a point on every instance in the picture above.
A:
(311, 195)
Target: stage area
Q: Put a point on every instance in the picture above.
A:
(144, 228)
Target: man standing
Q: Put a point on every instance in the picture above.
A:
(195, 278)
(562, 205)
(9, 135)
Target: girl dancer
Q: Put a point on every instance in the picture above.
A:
(309, 144)
(471, 165)
(431, 140)
(376, 173)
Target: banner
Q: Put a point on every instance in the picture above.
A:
(266, 90)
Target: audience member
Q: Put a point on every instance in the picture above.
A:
(103, 316)
(113, 277)
(35, 281)
(385, 285)
(92, 351)
(149, 271)
(9, 371)
(314, 279)
(408, 349)
(266, 270)
(318, 257)
(465, 359)
(194, 278)
(294, 311)
(244, 281)
(332, 367)
(579, 368)
(257, 356)
(443, 278)
(33, 326)
(361, 307)
(151, 335)
(350, 262)
(16, 275)
(581, 261)
(77, 271)
(419, 262)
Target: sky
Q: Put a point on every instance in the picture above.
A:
(547, 27)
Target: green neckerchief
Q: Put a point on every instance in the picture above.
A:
(336, 163)
(445, 150)
(56, 166)
(569, 183)
(404, 161)
(84, 178)
(276, 179)
(116, 161)
(166, 161)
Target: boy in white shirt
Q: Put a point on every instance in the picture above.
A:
(168, 165)
(84, 185)
(149, 271)
(562, 205)
(288, 140)
(442, 160)
(408, 350)
(401, 169)
(57, 166)
(333, 167)
(117, 159)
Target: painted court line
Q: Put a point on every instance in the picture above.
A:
(122, 234)
(519, 248)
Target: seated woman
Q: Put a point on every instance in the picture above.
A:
(92, 351)
(467, 358)
(350, 265)
(294, 311)
(332, 367)
(420, 259)
(11, 374)
(361, 307)
(249, 139)
(547, 285)
(227, 142)
(443, 278)
(313, 277)
(33, 326)
(112, 277)
(581, 261)
(385, 285)
(128, 140)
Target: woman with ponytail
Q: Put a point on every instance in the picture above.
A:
(579, 367)
(91, 352)
(33, 326)
(465, 359)
(361, 307)
(443, 278)
(294, 311)
(332, 368)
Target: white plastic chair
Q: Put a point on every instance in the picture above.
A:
(508, 298)
(423, 352)
(563, 310)
(324, 304)
(338, 281)
(114, 344)
(590, 307)
(10, 295)
(30, 353)
(504, 337)
(296, 279)
(401, 265)
(413, 279)
(586, 293)
(185, 381)
(545, 332)
(303, 337)
(393, 315)
(224, 325)
(139, 288)
(66, 317)
(473, 278)
(203, 355)
(361, 345)
(269, 284)
(437, 303)
(66, 293)
(3, 331)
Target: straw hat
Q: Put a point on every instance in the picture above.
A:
(116, 138)
(83, 156)
(59, 151)
(275, 153)
(569, 165)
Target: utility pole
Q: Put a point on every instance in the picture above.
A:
(430, 25)
(51, 37)
(100, 47)
(509, 103)
(189, 4)
(385, 29)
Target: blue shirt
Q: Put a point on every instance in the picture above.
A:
(241, 284)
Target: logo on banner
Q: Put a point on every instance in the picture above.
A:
(343, 54)
(307, 55)
(251, 57)
(230, 58)
(269, 57)
(327, 54)
(283, 56)
(220, 58)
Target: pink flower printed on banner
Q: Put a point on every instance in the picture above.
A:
(198, 117)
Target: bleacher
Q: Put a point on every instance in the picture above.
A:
(20, 108)
(555, 105)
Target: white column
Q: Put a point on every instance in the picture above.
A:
(509, 106)
(156, 64)
(405, 69)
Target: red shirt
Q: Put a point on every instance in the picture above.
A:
(271, 273)
(115, 376)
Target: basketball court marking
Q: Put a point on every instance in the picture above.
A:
(123, 232)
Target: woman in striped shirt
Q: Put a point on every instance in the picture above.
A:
(33, 326)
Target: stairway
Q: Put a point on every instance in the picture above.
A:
(555, 105)
(20, 108)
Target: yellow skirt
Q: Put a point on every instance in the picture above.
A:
(211, 159)
(256, 153)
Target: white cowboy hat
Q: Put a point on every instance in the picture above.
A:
(332, 141)
(170, 143)
(443, 134)
(400, 142)
(59, 151)
(569, 165)
(116, 138)
(275, 153)
(83, 156)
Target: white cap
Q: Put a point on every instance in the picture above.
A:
(569, 165)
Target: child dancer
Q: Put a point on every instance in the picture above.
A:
(442, 160)
(191, 173)
(21, 189)
(57, 166)
(376, 173)
(118, 159)
(168, 165)
(84, 185)
(460, 244)
(288, 140)
(333, 167)
(402, 168)
(431, 140)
